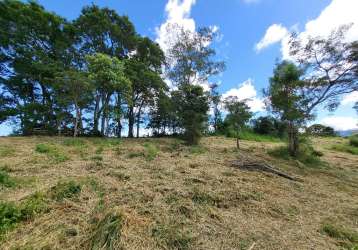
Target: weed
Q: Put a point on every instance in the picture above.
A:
(6, 180)
(9, 216)
(34, 204)
(65, 190)
(203, 198)
(172, 236)
(107, 233)
(151, 151)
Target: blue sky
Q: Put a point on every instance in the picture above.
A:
(242, 25)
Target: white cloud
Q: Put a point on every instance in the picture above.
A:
(336, 14)
(350, 98)
(246, 90)
(275, 33)
(178, 12)
(340, 123)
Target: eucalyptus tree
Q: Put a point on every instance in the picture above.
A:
(144, 71)
(191, 60)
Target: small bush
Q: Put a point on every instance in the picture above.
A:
(33, 205)
(107, 233)
(65, 190)
(353, 141)
(9, 216)
(6, 180)
(151, 151)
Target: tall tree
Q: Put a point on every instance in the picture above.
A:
(144, 70)
(107, 74)
(215, 99)
(190, 60)
(239, 114)
(288, 101)
(192, 105)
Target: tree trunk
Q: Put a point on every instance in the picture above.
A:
(119, 114)
(292, 140)
(130, 122)
(96, 115)
(237, 139)
(78, 117)
(138, 120)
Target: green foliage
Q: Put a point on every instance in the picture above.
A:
(172, 236)
(192, 106)
(248, 135)
(320, 130)
(151, 151)
(11, 214)
(65, 190)
(353, 141)
(266, 125)
(107, 234)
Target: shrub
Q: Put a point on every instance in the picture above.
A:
(9, 216)
(346, 149)
(65, 190)
(34, 204)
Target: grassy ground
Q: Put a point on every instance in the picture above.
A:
(58, 193)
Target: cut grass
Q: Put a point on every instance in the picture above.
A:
(107, 233)
(6, 151)
(151, 151)
(172, 236)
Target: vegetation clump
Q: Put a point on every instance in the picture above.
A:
(172, 236)
(52, 152)
(65, 190)
(6, 180)
(346, 237)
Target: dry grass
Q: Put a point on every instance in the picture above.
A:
(160, 194)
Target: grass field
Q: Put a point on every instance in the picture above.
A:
(63, 193)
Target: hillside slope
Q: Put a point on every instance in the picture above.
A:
(61, 193)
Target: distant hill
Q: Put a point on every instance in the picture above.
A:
(346, 133)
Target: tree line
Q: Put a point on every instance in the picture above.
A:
(96, 75)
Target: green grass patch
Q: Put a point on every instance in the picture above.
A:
(203, 198)
(197, 150)
(306, 155)
(52, 152)
(151, 151)
(172, 236)
(107, 233)
(353, 141)
(346, 237)
(74, 142)
(6, 180)
(11, 214)
(65, 190)
(345, 148)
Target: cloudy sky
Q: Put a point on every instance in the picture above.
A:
(253, 36)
